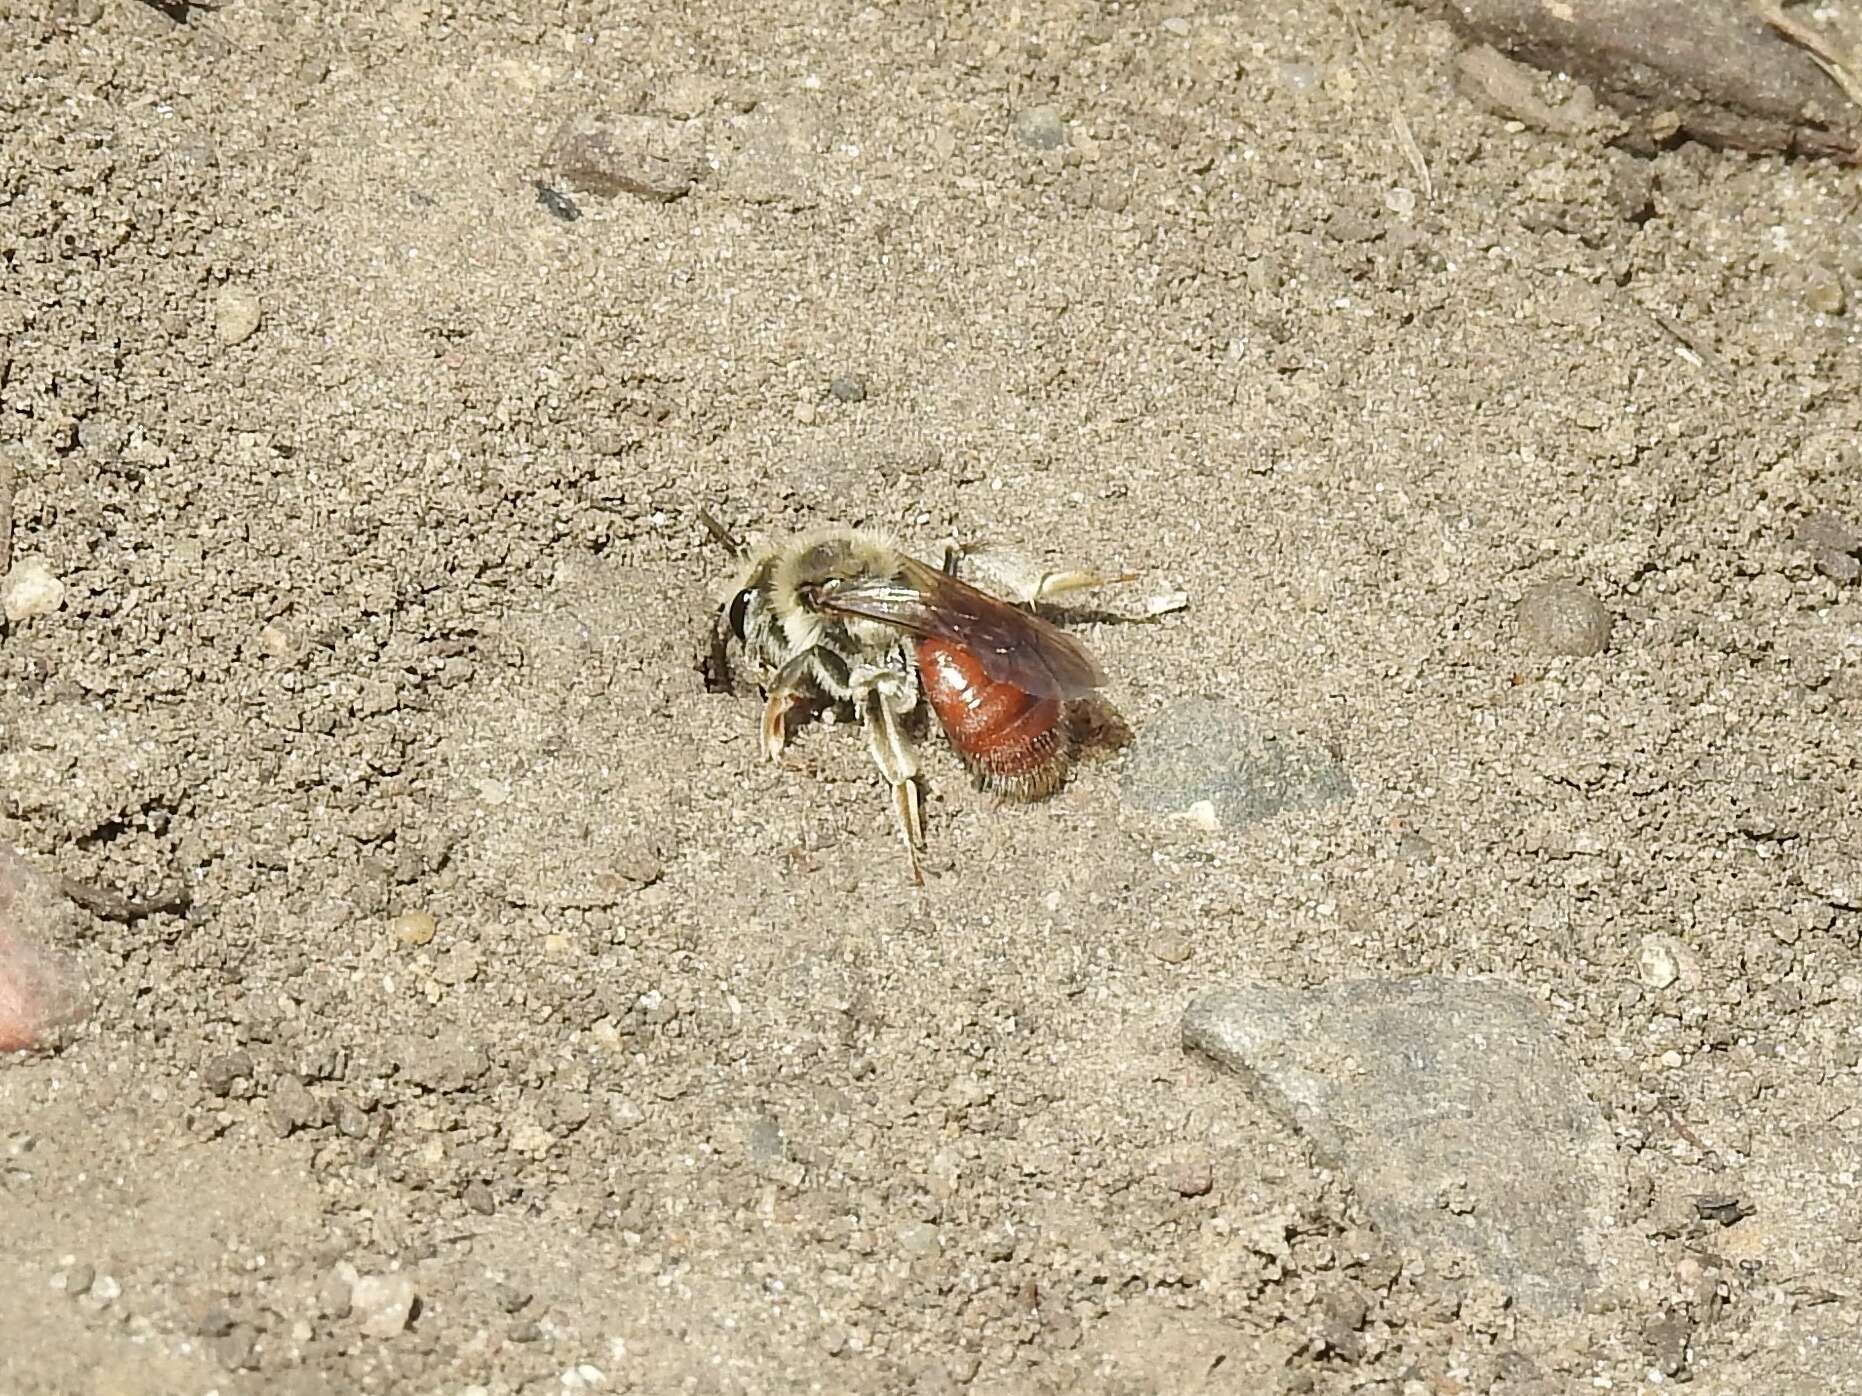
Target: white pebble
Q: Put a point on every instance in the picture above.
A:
(1202, 814)
(384, 1303)
(1663, 961)
(1656, 964)
(236, 314)
(31, 590)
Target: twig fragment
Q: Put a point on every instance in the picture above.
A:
(113, 906)
(9, 482)
(1405, 137)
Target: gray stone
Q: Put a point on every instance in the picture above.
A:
(1203, 752)
(228, 1073)
(292, 1107)
(1833, 543)
(1040, 128)
(1457, 1115)
(447, 1062)
(764, 1142)
(1725, 78)
(1563, 618)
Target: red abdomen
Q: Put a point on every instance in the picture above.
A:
(1014, 742)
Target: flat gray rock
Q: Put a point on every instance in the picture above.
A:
(1725, 77)
(1201, 750)
(1455, 1112)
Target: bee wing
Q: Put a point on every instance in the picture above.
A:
(1012, 645)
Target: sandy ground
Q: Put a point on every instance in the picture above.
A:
(526, 1031)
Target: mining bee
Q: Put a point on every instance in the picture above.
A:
(842, 618)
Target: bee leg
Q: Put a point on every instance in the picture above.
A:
(898, 763)
(791, 686)
(1052, 584)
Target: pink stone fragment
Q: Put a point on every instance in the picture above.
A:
(40, 988)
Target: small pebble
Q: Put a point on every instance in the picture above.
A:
(848, 388)
(31, 590)
(236, 314)
(78, 1279)
(1040, 128)
(1188, 1172)
(1823, 290)
(106, 1289)
(414, 927)
(1200, 814)
(385, 1303)
(1656, 964)
(917, 1238)
(1834, 545)
(1663, 961)
(1563, 618)
(639, 865)
(1171, 949)
(292, 1107)
(1772, 590)
(764, 1142)
(238, 1350)
(228, 1074)
(1830, 531)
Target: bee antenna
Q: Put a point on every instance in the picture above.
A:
(721, 533)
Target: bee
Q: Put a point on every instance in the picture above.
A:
(843, 618)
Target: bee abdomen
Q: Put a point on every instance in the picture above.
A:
(1015, 743)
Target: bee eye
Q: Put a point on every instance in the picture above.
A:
(740, 606)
